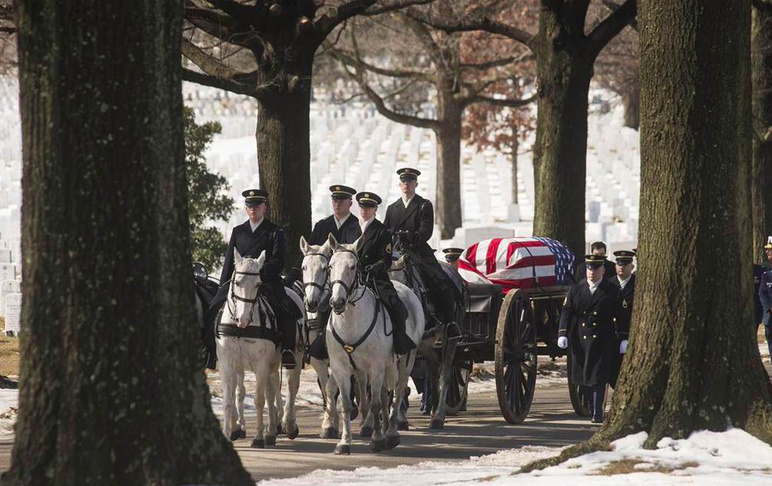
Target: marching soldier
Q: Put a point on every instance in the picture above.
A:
(341, 223)
(587, 329)
(374, 251)
(415, 215)
(252, 238)
(452, 255)
(624, 280)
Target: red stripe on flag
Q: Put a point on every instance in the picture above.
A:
(490, 258)
(537, 261)
(471, 253)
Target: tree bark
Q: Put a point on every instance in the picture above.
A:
(449, 114)
(761, 58)
(631, 99)
(693, 362)
(564, 72)
(284, 160)
(110, 388)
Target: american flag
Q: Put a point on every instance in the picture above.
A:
(516, 263)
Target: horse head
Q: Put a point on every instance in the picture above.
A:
(315, 261)
(344, 272)
(244, 287)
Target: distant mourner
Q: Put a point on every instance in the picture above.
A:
(251, 239)
(765, 295)
(596, 248)
(374, 251)
(624, 280)
(588, 330)
(414, 215)
(452, 255)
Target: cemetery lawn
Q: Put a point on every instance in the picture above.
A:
(9, 354)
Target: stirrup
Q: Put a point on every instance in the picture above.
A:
(288, 359)
(453, 332)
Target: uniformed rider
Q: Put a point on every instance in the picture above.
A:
(587, 328)
(413, 216)
(452, 255)
(251, 238)
(374, 251)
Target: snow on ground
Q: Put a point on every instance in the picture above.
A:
(706, 459)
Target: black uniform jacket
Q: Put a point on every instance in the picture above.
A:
(588, 322)
(348, 233)
(267, 237)
(375, 246)
(626, 296)
(417, 218)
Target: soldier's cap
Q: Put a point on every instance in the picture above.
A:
(768, 246)
(254, 197)
(368, 199)
(342, 192)
(452, 254)
(594, 261)
(408, 174)
(624, 256)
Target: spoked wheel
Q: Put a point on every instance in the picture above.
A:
(516, 357)
(579, 400)
(459, 385)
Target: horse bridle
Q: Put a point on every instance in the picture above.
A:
(355, 284)
(315, 285)
(235, 296)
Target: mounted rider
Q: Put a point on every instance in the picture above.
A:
(413, 217)
(251, 238)
(374, 252)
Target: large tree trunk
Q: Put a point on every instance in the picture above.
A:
(560, 150)
(284, 160)
(449, 112)
(693, 362)
(110, 389)
(631, 99)
(761, 50)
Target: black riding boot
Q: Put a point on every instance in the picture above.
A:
(446, 308)
(318, 349)
(398, 313)
(287, 314)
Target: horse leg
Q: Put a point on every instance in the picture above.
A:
(329, 425)
(343, 381)
(397, 416)
(289, 422)
(239, 430)
(366, 418)
(448, 355)
(263, 372)
(277, 400)
(377, 403)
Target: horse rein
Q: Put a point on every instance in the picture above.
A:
(355, 284)
(321, 288)
(235, 296)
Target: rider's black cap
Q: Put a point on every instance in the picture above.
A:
(452, 254)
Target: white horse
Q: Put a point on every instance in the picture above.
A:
(250, 312)
(316, 298)
(359, 339)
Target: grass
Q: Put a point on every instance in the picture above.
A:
(627, 466)
(9, 356)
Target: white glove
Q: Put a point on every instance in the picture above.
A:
(562, 342)
(623, 346)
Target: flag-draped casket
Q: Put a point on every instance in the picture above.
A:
(518, 263)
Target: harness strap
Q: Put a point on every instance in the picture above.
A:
(350, 348)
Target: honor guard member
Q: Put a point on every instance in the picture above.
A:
(374, 251)
(341, 223)
(452, 255)
(252, 238)
(587, 329)
(624, 280)
(596, 248)
(765, 294)
(415, 215)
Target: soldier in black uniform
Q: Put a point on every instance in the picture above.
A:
(596, 248)
(452, 255)
(415, 215)
(345, 227)
(624, 280)
(250, 239)
(374, 251)
(587, 328)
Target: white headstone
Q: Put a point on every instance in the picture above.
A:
(12, 312)
(6, 255)
(7, 271)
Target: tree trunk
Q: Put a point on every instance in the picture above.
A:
(632, 103)
(449, 114)
(693, 362)
(284, 160)
(110, 389)
(560, 149)
(515, 147)
(761, 56)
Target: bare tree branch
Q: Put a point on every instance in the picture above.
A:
(508, 103)
(422, 33)
(228, 85)
(613, 6)
(354, 60)
(397, 5)
(612, 25)
(484, 66)
(235, 9)
(219, 26)
(207, 63)
(334, 16)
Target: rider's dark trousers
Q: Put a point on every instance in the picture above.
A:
(441, 290)
(394, 305)
(287, 313)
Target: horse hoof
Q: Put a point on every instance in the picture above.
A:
(257, 444)
(392, 442)
(238, 434)
(437, 424)
(354, 413)
(365, 431)
(292, 432)
(377, 445)
(329, 433)
(403, 426)
(270, 440)
(343, 449)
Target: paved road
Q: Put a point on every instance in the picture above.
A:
(479, 431)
